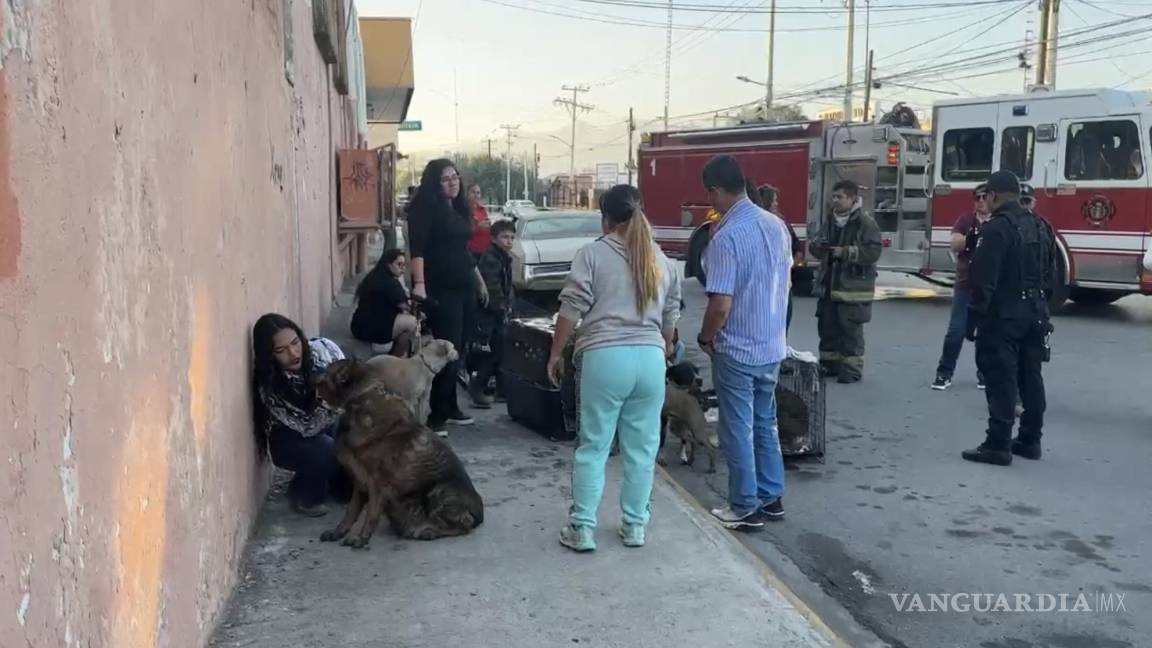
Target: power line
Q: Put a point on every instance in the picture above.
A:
(995, 17)
(617, 20)
(638, 4)
(681, 45)
(1105, 10)
(959, 65)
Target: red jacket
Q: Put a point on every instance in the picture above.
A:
(481, 234)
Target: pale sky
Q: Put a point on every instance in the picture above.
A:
(506, 63)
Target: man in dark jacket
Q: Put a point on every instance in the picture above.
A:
(1011, 274)
(848, 247)
(495, 266)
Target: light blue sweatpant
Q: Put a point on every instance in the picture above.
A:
(621, 388)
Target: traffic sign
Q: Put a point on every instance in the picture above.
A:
(411, 125)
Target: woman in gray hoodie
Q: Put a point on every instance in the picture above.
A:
(622, 297)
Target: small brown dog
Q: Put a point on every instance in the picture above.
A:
(400, 467)
(683, 416)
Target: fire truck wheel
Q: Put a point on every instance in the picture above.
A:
(696, 248)
(1094, 296)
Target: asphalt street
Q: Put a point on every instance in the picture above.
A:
(893, 510)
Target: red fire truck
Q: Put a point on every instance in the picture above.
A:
(1086, 153)
(804, 160)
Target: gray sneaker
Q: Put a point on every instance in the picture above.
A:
(578, 538)
(632, 535)
(750, 521)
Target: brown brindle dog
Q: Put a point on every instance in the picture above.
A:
(400, 467)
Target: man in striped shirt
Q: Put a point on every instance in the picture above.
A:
(748, 261)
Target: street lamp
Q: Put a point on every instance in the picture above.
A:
(752, 81)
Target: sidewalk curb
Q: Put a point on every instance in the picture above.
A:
(767, 572)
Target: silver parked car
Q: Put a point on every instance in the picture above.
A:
(518, 208)
(546, 243)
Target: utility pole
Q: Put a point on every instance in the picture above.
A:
(668, 66)
(574, 107)
(1042, 49)
(631, 131)
(868, 73)
(508, 160)
(848, 75)
(535, 170)
(1052, 41)
(525, 175)
(488, 140)
(771, 59)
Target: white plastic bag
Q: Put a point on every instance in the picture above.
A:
(802, 356)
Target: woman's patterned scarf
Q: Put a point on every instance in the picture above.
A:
(292, 402)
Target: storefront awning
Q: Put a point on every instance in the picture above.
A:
(388, 69)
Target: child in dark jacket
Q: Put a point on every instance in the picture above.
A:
(495, 265)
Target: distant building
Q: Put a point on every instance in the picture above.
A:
(565, 192)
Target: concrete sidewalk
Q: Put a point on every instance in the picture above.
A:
(511, 584)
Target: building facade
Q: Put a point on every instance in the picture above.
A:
(166, 177)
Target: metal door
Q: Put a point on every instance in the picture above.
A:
(1100, 206)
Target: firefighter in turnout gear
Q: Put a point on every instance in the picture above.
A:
(848, 246)
(1011, 275)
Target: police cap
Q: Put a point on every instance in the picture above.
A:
(1004, 182)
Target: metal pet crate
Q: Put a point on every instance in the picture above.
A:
(800, 409)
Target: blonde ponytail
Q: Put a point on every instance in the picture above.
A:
(646, 271)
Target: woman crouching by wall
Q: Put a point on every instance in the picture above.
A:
(625, 294)
(292, 423)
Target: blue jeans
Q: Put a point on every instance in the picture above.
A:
(621, 389)
(312, 459)
(954, 338)
(746, 396)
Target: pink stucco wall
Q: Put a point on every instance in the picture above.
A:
(161, 186)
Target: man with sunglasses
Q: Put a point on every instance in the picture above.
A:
(965, 233)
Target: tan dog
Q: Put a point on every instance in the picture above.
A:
(411, 378)
(683, 416)
(399, 466)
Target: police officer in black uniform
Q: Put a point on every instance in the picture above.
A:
(1011, 274)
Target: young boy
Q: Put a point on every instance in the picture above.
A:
(495, 265)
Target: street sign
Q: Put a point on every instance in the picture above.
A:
(411, 126)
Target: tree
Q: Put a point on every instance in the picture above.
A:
(490, 172)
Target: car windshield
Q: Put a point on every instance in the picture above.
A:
(561, 226)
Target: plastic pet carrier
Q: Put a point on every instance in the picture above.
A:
(532, 399)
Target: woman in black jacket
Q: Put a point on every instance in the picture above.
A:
(383, 313)
(444, 271)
